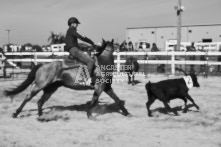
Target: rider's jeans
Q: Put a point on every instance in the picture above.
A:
(81, 56)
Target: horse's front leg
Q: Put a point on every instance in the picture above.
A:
(97, 92)
(117, 100)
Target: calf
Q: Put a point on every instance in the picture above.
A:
(171, 89)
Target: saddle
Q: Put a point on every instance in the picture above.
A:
(70, 61)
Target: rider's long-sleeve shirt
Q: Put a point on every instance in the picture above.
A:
(72, 37)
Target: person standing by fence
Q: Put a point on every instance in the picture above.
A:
(191, 48)
(130, 46)
(219, 60)
(202, 58)
(160, 67)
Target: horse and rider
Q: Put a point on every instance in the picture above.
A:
(49, 77)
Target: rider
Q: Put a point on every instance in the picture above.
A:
(72, 45)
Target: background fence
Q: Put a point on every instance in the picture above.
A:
(150, 62)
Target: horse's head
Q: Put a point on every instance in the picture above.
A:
(107, 47)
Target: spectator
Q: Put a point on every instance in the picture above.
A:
(1, 50)
(130, 46)
(123, 47)
(202, 58)
(154, 48)
(219, 59)
(160, 67)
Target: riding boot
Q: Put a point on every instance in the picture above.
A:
(93, 76)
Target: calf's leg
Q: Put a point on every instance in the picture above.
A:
(159, 94)
(185, 104)
(191, 99)
(169, 108)
(150, 101)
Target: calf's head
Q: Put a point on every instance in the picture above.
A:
(194, 79)
(192, 75)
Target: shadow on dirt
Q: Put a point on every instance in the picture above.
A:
(56, 112)
(163, 110)
(136, 82)
(99, 108)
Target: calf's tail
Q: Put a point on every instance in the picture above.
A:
(148, 88)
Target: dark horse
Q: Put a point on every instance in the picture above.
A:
(132, 69)
(49, 77)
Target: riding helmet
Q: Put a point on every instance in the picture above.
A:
(73, 20)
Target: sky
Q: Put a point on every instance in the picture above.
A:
(31, 21)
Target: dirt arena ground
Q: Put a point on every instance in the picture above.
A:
(64, 122)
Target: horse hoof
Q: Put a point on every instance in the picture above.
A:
(14, 115)
(129, 115)
(150, 115)
(185, 111)
(176, 114)
(92, 118)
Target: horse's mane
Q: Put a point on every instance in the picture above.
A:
(101, 48)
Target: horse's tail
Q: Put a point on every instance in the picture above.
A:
(148, 88)
(25, 83)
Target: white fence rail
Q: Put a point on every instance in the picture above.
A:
(119, 60)
(211, 46)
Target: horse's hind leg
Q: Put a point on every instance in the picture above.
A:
(48, 91)
(34, 91)
(117, 100)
